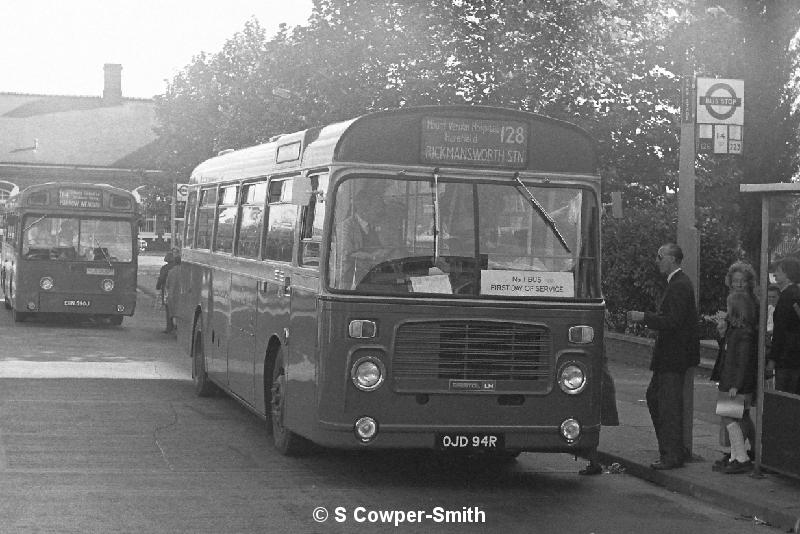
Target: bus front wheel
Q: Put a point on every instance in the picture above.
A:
(18, 316)
(287, 442)
(203, 387)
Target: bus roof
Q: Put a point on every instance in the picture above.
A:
(427, 135)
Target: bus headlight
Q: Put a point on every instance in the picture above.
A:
(570, 429)
(367, 373)
(107, 284)
(571, 378)
(366, 429)
(46, 283)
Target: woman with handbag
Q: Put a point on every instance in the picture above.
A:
(737, 370)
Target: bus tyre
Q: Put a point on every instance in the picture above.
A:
(287, 442)
(203, 387)
(18, 316)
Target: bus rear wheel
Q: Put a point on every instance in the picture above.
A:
(286, 442)
(203, 387)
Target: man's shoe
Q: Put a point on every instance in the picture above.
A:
(663, 465)
(591, 469)
(735, 467)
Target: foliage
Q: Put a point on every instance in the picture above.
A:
(611, 66)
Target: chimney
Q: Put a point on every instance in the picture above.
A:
(112, 89)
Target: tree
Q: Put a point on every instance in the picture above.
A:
(612, 66)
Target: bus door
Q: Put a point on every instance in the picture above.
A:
(276, 286)
(216, 285)
(305, 293)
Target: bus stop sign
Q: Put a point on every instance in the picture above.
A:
(720, 101)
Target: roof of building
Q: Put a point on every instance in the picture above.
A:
(77, 130)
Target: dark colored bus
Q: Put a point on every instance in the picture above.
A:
(70, 248)
(421, 278)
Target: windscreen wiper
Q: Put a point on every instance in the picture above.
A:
(102, 251)
(34, 223)
(543, 212)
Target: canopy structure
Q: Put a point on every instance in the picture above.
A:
(778, 412)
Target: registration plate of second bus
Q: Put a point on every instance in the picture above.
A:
(467, 441)
(78, 303)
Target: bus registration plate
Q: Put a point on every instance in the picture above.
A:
(470, 442)
(78, 303)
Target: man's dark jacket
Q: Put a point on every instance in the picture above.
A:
(677, 345)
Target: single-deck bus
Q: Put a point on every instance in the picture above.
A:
(70, 248)
(421, 278)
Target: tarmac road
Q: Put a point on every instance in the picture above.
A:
(100, 431)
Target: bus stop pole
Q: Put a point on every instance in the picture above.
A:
(687, 232)
(172, 209)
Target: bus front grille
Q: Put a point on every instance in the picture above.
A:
(434, 353)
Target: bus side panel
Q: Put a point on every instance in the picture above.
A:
(218, 328)
(272, 319)
(304, 361)
(241, 348)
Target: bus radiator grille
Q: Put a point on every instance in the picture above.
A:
(472, 350)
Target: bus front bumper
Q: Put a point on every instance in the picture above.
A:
(461, 439)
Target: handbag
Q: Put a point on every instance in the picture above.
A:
(728, 406)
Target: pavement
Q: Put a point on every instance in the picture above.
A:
(765, 497)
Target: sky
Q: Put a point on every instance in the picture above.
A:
(59, 47)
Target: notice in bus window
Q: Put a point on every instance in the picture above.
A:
(527, 284)
(463, 141)
(437, 283)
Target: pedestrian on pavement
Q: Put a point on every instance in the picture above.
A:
(608, 416)
(676, 350)
(172, 287)
(161, 285)
(784, 357)
(737, 369)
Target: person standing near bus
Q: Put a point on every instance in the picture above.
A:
(161, 285)
(784, 357)
(676, 350)
(172, 287)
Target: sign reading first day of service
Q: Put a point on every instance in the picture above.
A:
(720, 101)
(527, 283)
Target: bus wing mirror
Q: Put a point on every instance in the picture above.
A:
(616, 204)
(301, 190)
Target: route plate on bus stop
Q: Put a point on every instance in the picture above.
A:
(467, 441)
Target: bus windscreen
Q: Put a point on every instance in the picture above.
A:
(476, 239)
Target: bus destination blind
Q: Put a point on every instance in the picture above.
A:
(80, 198)
(463, 141)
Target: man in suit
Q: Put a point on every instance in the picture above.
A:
(676, 350)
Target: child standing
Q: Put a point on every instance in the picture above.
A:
(737, 372)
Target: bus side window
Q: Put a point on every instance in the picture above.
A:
(226, 219)
(312, 217)
(189, 217)
(280, 222)
(251, 219)
(205, 217)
